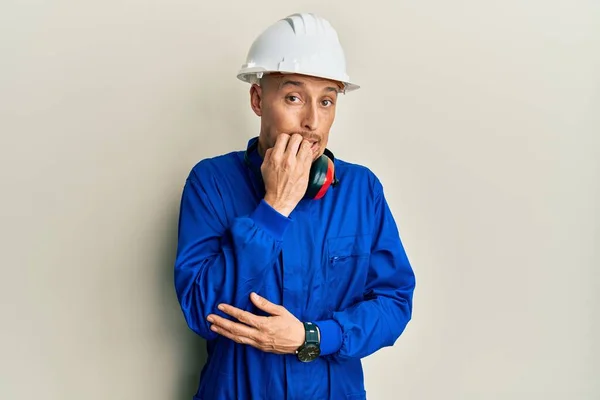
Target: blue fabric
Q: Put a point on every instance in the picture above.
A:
(338, 262)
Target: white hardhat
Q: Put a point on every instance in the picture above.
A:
(301, 44)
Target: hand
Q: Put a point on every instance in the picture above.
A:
(285, 171)
(280, 333)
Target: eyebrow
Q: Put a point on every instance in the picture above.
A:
(301, 84)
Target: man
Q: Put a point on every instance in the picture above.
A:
(289, 291)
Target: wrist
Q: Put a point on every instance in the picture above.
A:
(279, 206)
(301, 335)
(270, 220)
(310, 348)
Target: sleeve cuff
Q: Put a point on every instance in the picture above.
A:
(269, 219)
(331, 336)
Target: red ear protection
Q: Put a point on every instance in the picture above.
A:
(321, 177)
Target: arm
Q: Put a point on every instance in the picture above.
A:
(386, 309)
(221, 262)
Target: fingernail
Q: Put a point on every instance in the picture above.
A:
(221, 307)
(210, 319)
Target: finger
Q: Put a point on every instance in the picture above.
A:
(267, 155)
(266, 305)
(241, 315)
(233, 327)
(305, 150)
(281, 143)
(294, 145)
(266, 160)
(305, 155)
(236, 338)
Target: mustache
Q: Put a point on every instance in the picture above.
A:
(308, 136)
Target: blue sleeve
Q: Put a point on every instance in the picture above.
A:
(220, 262)
(381, 317)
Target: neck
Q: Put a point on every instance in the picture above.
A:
(260, 148)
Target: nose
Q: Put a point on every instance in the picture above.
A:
(310, 120)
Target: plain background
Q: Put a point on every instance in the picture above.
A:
(481, 119)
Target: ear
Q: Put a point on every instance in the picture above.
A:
(256, 99)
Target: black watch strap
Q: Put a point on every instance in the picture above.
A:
(310, 350)
(312, 333)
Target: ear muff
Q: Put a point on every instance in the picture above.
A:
(321, 177)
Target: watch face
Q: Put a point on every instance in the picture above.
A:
(309, 353)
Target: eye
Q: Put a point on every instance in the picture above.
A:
(327, 103)
(293, 99)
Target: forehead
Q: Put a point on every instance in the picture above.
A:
(291, 81)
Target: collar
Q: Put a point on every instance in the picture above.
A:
(252, 156)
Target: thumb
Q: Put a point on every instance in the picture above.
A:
(265, 304)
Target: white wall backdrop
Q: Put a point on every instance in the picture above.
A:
(481, 118)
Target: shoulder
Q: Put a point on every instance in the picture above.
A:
(215, 166)
(358, 175)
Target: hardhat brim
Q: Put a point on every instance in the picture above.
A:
(251, 75)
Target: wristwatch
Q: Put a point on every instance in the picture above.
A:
(311, 349)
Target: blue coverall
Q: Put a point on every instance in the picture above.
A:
(338, 262)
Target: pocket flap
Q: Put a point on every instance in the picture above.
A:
(351, 245)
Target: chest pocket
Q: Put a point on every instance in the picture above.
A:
(347, 269)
